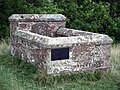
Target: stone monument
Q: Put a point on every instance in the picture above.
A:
(43, 40)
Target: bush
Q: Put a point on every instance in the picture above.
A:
(94, 16)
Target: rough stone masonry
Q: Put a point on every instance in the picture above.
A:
(43, 40)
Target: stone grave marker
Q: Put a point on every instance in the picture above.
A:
(43, 40)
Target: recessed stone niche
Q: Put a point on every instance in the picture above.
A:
(43, 40)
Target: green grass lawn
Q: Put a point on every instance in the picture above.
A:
(2, 87)
(16, 74)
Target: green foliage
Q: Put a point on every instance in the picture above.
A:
(97, 16)
(114, 7)
(48, 9)
(4, 48)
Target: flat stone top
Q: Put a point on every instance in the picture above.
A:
(68, 41)
(37, 17)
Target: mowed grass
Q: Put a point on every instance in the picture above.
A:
(16, 74)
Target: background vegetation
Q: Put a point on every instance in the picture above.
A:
(100, 16)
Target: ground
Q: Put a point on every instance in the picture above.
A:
(16, 74)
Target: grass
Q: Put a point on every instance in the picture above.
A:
(16, 74)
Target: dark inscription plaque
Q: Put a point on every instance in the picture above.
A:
(59, 54)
